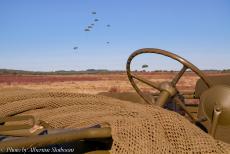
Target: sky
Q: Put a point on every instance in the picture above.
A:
(40, 35)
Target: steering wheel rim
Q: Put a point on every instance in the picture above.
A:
(186, 64)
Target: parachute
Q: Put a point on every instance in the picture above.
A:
(145, 66)
(87, 29)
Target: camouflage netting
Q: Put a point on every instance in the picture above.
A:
(136, 128)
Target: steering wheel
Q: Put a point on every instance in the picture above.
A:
(167, 89)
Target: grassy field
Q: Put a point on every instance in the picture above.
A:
(96, 83)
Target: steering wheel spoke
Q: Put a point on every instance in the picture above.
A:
(182, 105)
(149, 83)
(179, 75)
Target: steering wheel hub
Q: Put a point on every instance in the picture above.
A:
(168, 87)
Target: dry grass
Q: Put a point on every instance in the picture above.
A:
(94, 83)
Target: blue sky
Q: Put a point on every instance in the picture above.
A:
(40, 34)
